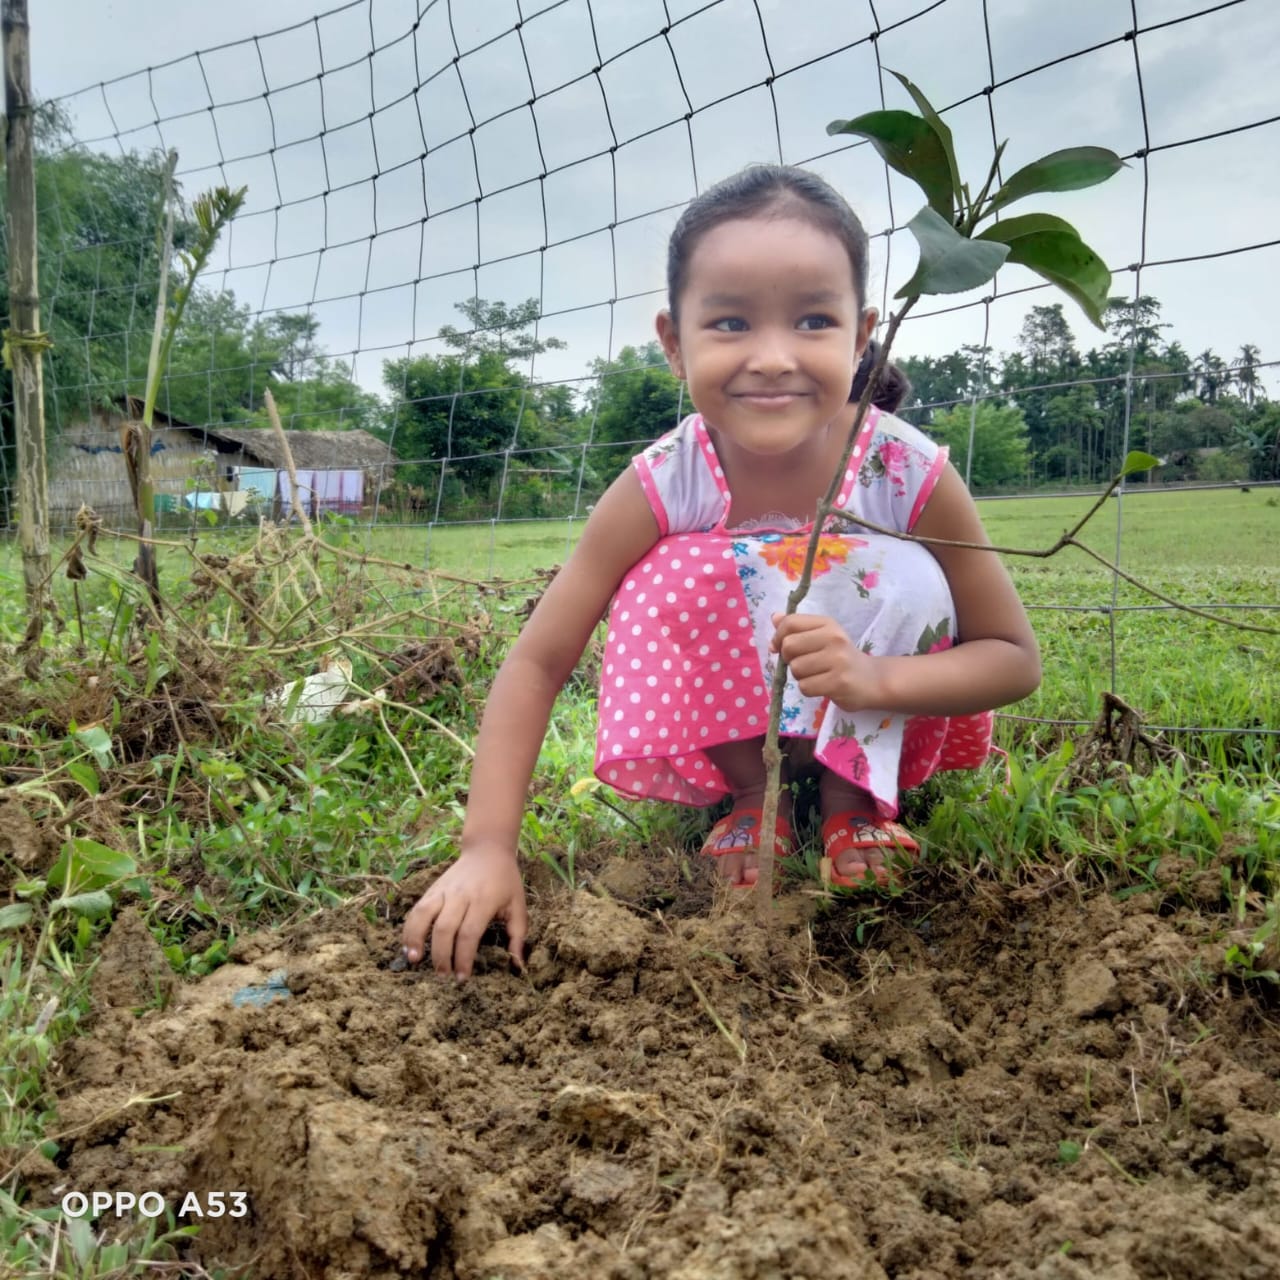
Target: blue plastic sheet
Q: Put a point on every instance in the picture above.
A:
(259, 994)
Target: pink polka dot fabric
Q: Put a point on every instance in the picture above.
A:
(687, 664)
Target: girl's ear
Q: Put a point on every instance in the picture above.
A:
(867, 326)
(670, 340)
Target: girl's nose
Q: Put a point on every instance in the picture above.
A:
(771, 353)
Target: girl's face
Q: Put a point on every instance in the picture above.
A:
(770, 332)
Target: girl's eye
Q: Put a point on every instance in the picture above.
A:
(730, 324)
(816, 322)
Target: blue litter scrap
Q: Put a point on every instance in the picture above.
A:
(259, 994)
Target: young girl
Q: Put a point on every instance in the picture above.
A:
(699, 542)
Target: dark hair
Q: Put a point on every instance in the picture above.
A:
(892, 389)
(779, 190)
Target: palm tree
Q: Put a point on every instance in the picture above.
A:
(1211, 376)
(1246, 377)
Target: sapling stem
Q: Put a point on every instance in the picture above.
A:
(826, 508)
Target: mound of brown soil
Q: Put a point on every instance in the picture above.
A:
(1004, 1085)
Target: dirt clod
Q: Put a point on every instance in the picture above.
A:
(598, 934)
(132, 971)
(20, 837)
(1090, 989)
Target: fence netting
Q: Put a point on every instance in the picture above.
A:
(453, 243)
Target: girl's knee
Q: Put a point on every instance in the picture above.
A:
(741, 763)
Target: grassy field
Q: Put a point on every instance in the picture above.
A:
(1177, 530)
(1201, 547)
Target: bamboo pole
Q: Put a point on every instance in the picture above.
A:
(24, 343)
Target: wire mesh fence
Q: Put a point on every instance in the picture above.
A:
(452, 249)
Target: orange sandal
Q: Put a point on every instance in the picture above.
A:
(739, 832)
(846, 832)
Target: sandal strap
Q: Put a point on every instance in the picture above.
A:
(862, 831)
(749, 840)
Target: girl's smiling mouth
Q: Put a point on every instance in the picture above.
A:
(768, 399)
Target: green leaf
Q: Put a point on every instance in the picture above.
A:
(949, 262)
(912, 147)
(1057, 254)
(154, 675)
(936, 123)
(15, 915)
(86, 775)
(1010, 229)
(1066, 170)
(97, 903)
(96, 739)
(80, 1234)
(1136, 460)
(86, 864)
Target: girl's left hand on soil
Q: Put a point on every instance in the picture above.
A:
(825, 662)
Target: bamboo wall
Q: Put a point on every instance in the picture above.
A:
(86, 466)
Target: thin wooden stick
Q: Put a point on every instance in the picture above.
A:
(772, 751)
(309, 535)
(24, 341)
(273, 416)
(136, 436)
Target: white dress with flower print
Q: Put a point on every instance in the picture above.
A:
(687, 663)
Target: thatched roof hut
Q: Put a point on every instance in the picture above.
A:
(337, 470)
(311, 450)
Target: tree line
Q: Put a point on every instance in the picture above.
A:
(479, 439)
(1046, 414)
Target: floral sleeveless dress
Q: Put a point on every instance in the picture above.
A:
(687, 663)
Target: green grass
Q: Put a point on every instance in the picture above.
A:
(1201, 547)
(1164, 529)
(1185, 528)
(1182, 528)
(1205, 548)
(492, 551)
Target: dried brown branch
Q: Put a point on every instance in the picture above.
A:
(1064, 541)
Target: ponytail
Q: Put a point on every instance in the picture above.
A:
(894, 386)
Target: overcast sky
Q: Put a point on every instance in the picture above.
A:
(1212, 73)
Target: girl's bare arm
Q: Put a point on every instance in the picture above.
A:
(484, 884)
(617, 534)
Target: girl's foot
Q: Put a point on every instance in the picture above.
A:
(734, 841)
(859, 849)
